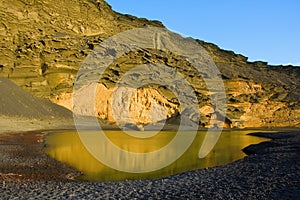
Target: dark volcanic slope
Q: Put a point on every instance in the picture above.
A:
(14, 101)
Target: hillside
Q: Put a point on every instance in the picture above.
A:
(21, 111)
(15, 102)
(43, 44)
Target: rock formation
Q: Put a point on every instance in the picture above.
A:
(43, 44)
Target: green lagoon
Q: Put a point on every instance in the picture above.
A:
(68, 148)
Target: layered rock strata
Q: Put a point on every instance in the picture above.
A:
(44, 43)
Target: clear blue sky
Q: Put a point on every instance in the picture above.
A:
(267, 30)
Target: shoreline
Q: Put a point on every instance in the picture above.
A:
(271, 170)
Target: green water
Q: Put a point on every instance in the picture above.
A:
(68, 148)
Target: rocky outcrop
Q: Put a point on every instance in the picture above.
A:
(43, 44)
(146, 106)
(255, 105)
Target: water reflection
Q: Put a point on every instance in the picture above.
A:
(68, 148)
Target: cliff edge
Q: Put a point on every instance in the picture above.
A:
(43, 44)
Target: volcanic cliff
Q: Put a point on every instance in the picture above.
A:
(44, 43)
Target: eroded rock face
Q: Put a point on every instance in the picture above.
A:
(253, 105)
(43, 44)
(137, 106)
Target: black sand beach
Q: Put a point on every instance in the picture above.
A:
(271, 171)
